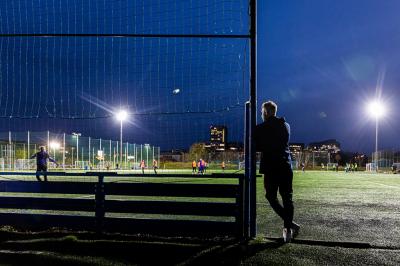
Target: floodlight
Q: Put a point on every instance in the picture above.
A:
(55, 145)
(376, 109)
(122, 115)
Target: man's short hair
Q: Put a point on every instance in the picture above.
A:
(270, 108)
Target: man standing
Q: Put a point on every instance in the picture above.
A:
(155, 166)
(142, 166)
(272, 140)
(194, 167)
(41, 163)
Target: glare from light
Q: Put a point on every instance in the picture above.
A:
(55, 145)
(122, 115)
(376, 109)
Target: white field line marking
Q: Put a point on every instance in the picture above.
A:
(376, 183)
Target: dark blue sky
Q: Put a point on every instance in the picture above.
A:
(320, 60)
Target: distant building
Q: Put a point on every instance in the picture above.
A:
(296, 147)
(330, 145)
(218, 138)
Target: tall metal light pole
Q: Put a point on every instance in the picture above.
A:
(121, 116)
(376, 110)
(77, 135)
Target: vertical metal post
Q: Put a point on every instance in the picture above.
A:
(376, 144)
(118, 159)
(114, 156)
(242, 227)
(77, 148)
(99, 203)
(120, 152)
(110, 151)
(253, 116)
(135, 155)
(126, 155)
(147, 155)
(29, 143)
(64, 148)
(246, 183)
(9, 153)
(159, 155)
(48, 141)
(89, 152)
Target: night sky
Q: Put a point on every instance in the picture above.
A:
(319, 60)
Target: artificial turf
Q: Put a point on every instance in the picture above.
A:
(353, 208)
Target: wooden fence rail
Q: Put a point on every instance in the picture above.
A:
(105, 206)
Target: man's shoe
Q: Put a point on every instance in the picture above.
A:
(287, 235)
(295, 229)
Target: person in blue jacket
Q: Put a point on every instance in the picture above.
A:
(41, 163)
(272, 140)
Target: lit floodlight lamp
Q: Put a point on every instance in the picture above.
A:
(122, 115)
(55, 145)
(376, 109)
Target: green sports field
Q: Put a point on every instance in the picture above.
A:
(346, 219)
(342, 207)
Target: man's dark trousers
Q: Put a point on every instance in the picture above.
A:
(280, 179)
(41, 168)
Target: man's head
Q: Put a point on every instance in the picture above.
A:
(41, 148)
(268, 109)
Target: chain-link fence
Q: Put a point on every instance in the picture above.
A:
(385, 159)
(73, 151)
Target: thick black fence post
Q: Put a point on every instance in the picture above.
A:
(99, 201)
(253, 117)
(240, 216)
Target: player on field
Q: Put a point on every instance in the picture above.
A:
(41, 163)
(272, 140)
(155, 166)
(200, 166)
(223, 166)
(194, 167)
(142, 166)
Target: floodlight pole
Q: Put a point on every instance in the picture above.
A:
(376, 143)
(64, 151)
(120, 150)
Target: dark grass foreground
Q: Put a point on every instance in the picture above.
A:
(63, 248)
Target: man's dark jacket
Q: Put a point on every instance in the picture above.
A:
(272, 140)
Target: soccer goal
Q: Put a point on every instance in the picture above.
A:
(370, 167)
(331, 166)
(25, 164)
(82, 165)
